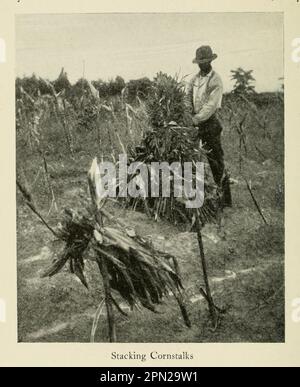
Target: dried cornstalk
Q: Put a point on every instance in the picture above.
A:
(129, 264)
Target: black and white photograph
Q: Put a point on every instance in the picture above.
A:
(150, 177)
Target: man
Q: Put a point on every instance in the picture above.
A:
(204, 98)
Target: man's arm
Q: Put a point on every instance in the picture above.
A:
(211, 105)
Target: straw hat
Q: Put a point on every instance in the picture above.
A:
(204, 54)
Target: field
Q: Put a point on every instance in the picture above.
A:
(56, 142)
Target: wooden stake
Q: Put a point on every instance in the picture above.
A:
(183, 309)
(211, 305)
(29, 202)
(108, 299)
(255, 202)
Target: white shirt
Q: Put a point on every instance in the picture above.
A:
(205, 95)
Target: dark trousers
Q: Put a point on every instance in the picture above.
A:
(210, 134)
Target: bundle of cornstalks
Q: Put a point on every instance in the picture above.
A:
(166, 102)
(132, 269)
(139, 273)
(172, 139)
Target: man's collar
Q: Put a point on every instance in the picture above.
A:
(207, 75)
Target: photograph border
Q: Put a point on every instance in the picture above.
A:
(99, 354)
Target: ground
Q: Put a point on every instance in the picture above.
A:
(245, 256)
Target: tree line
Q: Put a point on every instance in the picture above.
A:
(36, 86)
(243, 84)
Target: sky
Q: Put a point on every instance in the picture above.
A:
(102, 46)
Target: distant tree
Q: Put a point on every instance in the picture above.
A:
(243, 81)
(110, 88)
(138, 87)
(62, 82)
(119, 85)
(80, 88)
(44, 88)
(30, 85)
(102, 87)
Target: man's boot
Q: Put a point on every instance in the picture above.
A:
(226, 200)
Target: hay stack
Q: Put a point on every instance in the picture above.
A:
(172, 139)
